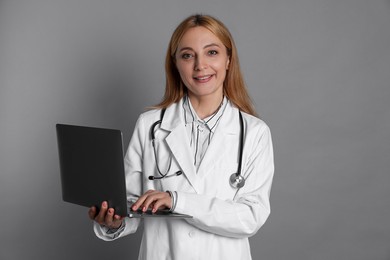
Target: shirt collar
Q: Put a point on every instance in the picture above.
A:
(190, 115)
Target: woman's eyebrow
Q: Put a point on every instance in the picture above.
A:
(185, 49)
(212, 45)
(205, 47)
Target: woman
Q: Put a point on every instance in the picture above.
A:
(197, 149)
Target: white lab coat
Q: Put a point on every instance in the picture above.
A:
(223, 217)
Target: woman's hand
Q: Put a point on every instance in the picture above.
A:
(106, 216)
(153, 199)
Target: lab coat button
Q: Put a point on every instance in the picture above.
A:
(191, 234)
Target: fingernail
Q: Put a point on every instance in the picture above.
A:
(144, 209)
(154, 210)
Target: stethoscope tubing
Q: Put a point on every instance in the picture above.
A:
(236, 179)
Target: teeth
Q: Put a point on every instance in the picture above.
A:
(203, 78)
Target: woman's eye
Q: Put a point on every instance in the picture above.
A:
(213, 52)
(186, 56)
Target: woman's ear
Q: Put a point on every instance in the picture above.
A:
(227, 63)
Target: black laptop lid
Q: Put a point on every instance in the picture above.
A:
(92, 167)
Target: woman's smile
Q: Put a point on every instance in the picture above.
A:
(203, 79)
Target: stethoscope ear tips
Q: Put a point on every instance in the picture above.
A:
(236, 181)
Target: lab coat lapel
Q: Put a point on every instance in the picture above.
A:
(226, 134)
(178, 143)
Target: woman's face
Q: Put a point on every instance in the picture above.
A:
(202, 61)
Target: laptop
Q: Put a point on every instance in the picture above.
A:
(92, 170)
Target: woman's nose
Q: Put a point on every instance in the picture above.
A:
(200, 64)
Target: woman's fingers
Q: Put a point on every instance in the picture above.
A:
(92, 212)
(163, 202)
(106, 216)
(141, 200)
(112, 221)
(117, 222)
(108, 221)
(153, 199)
(100, 218)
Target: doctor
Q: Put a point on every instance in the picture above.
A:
(196, 150)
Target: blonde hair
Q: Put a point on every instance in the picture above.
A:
(234, 87)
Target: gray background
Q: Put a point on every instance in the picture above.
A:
(318, 71)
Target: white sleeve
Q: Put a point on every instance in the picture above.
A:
(247, 212)
(129, 226)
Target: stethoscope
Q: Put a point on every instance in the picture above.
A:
(236, 180)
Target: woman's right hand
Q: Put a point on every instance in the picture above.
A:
(106, 216)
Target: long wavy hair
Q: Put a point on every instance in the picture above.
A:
(234, 86)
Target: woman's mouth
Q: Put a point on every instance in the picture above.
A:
(203, 79)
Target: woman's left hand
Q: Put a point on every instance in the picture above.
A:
(153, 199)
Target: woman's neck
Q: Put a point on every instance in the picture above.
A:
(205, 106)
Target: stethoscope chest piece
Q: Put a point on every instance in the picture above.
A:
(236, 181)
